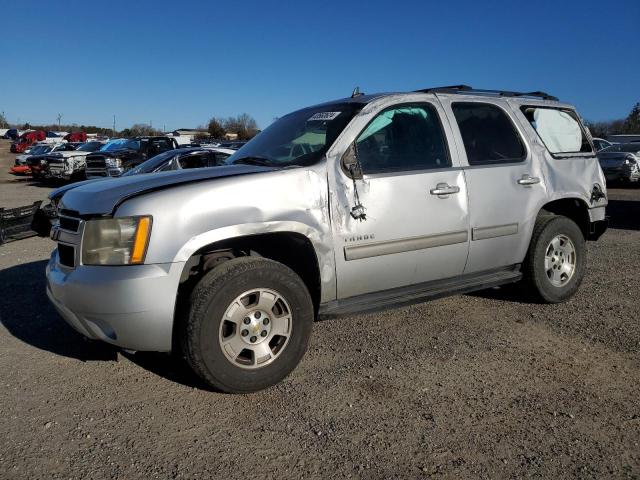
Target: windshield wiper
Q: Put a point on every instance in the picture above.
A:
(260, 161)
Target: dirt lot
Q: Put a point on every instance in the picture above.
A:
(475, 386)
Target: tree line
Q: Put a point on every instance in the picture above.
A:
(243, 126)
(621, 126)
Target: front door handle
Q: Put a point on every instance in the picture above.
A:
(527, 180)
(443, 190)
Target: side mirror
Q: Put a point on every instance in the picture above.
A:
(350, 162)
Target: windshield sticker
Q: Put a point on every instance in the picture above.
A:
(323, 116)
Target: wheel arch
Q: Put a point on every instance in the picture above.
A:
(290, 248)
(573, 208)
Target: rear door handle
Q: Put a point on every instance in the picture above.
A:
(528, 180)
(443, 190)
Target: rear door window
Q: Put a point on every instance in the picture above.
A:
(559, 130)
(488, 134)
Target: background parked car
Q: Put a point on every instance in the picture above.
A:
(26, 139)
(183, 158)
(11, 134)
(35, 149)
(232, 145)
(68, 164)
(619, 162)
(76, 137)
(600, 143)
(118, 157)
(38, 166)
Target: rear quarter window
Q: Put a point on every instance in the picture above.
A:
(559, 129)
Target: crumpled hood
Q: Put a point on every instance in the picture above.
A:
(102, 196)
(70, 153)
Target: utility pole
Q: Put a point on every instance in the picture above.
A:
(114, 126)
(59, 118)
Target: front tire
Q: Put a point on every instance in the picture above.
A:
(248, 325)
(556, 261)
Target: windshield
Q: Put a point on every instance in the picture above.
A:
(152, 164)
(300, 138)
(121, 145)
(623, 147)
(39, 150)
(89, 147)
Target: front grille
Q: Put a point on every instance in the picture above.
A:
(68, 233)
(67, 255)
(96, 166)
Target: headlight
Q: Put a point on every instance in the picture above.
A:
(114, 162)
(116, 241)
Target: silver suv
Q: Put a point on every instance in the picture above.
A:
(355, 205)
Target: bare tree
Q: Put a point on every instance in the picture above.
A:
(215, 128)
(142, 129)
(244, 125)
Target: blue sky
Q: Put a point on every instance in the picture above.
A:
(176, 64)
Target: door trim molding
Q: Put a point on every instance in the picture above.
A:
(494, 231)
(388, 247)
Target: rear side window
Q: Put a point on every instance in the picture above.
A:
(199, 160)
(217, 158)
(403, 138)
(488, 134)
(559, 130)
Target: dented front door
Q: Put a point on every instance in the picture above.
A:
(416, 224)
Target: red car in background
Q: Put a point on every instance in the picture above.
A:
(26, 139)
(76, 137)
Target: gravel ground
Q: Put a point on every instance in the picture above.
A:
(473, 386)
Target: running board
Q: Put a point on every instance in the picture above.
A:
(403, 296)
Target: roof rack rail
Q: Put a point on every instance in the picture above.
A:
(479, 91)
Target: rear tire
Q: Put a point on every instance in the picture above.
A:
(556, 261)
(248, 324)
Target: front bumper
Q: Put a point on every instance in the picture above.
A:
(104, 172)
(130, 306)
(60, 171)
(623, 173)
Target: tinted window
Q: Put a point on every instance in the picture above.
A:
(488, 134)
(623, 147)
(90, 147)
(559, 130)
(218, 158)
(199, 160)
(408, 137)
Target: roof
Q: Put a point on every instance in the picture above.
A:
(463, 90)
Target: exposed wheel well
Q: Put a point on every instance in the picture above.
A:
(572, 208)
(291, 249)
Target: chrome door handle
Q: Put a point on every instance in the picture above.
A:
(527, 180)
(444, 189)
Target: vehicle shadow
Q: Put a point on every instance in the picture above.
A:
(624, 214)
(169, 366)
(512, 293)
(25, 311)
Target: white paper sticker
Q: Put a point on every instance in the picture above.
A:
(323, 116)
